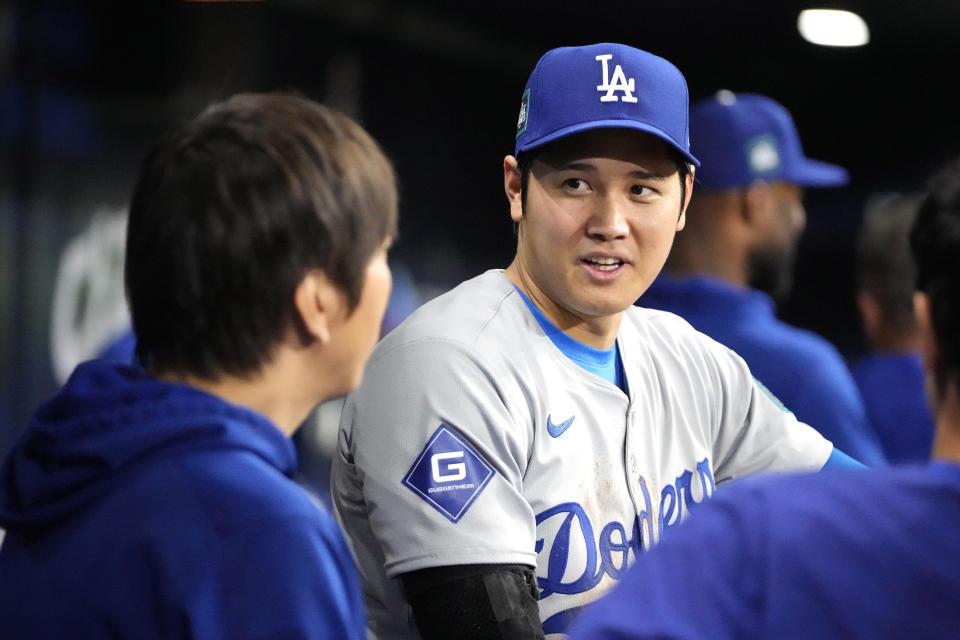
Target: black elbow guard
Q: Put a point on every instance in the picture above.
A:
(475, 601)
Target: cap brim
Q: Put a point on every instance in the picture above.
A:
(813, 173)
(609, 124)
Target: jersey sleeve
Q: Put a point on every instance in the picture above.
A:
(756, 433)
(435, 441)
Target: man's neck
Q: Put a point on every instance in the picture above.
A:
(271, 392)
(892, 342)
(946, 439)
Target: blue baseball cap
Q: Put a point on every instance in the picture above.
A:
(745, 137)
(574, 89)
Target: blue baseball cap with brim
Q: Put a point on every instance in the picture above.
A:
(744, 137)
(574, 89)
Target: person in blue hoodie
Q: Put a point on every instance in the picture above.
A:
(735, 257)
(854, 554)
(158, 501)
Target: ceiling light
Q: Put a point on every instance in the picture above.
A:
(833, 28)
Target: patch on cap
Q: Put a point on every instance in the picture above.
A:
(524, 110)
(448, 474)
(763, 155)
(726, 97)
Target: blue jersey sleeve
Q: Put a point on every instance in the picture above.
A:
(702, 581)
(839, 460)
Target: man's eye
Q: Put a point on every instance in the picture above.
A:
(641, 190)
(575, 183)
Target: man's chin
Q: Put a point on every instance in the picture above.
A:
(604, 309)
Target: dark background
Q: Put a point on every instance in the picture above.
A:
(86, 87)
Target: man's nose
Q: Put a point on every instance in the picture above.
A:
(608, 220)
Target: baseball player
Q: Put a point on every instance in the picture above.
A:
(525, 436)
(871, 555)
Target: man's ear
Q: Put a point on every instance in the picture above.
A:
(756, 203)
(928, 349)
(688, 194)
(513, 187)
(319, 304)
(871, 315)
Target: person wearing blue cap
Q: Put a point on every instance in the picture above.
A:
(840, 554)
(735, 258)
(519, 440)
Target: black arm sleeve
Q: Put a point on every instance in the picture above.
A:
(479, 601)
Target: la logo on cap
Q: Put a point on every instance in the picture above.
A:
(619, 83)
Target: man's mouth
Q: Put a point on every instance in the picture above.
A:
(603, 264)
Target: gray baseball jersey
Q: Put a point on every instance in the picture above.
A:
(473, 439)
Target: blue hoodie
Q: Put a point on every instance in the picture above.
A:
(141, 509)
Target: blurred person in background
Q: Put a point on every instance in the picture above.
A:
(735, 258)
(891, 377)
(855, 554)
(157, 502)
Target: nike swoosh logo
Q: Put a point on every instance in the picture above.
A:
(556, 430)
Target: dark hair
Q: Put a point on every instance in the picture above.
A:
(232, 211)
(935, 241)
(526, 158)
(884, 266)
